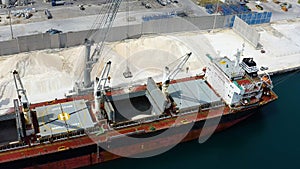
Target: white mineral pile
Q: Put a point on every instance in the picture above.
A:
(49, 74)
(46, 74)
(147, 57)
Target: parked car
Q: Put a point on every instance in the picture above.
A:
(262, 68)
(259, 7)
(147, 6)
(81, 7)
(53, 31)
(47, 12)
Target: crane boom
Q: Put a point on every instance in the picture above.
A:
(171, 75)
(22, 96)
(105, 25)
(106, 21)
(99, 86)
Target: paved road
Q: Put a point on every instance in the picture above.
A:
(278, 14)
(197, 11)
(86, 20)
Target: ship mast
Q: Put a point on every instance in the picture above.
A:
(238, 55)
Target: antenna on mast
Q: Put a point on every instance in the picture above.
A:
(238, 55)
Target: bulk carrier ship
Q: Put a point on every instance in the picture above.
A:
(91, 126)
(97, 122)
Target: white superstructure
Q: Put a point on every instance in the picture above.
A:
(233, 81)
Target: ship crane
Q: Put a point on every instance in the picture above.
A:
(22, 97)
(105, 23)
(99, 86)
(170, 75)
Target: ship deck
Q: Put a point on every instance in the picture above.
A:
(50, 124)
(188, 95)
(84, 141)
(185, 87)
(192, 94)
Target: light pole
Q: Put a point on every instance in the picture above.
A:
(215, 18)
(11, 31)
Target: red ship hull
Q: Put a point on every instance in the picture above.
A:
(80, 151)
(59, 159)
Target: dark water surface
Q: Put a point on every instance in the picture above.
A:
(269, 139)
